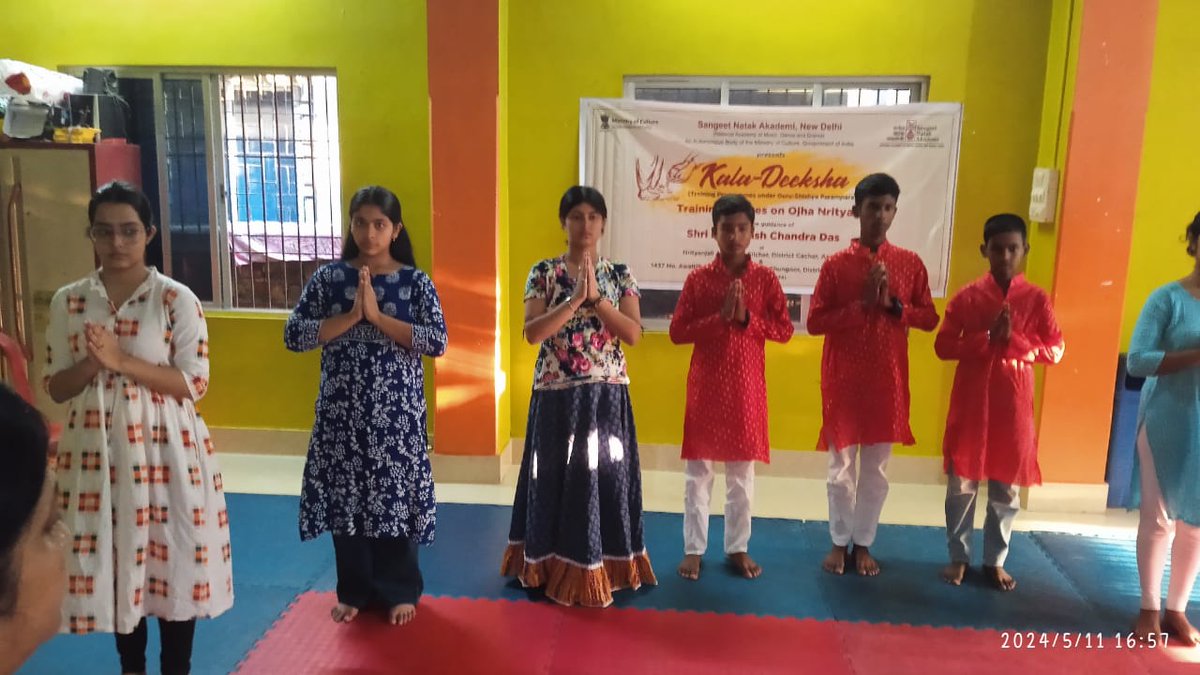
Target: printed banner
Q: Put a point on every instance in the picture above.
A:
(661, 166)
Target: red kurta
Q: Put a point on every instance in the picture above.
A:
(864, 368)
(726, 417)
(989, 431)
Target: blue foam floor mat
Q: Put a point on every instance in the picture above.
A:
(1066, 582)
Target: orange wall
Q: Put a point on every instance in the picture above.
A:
(463, 97)
(1112, 85)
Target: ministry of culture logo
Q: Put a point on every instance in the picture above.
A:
(610, 120)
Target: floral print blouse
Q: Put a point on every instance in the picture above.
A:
(584, 351)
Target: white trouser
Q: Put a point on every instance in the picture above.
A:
(739, 497)
(1155, 529)
(856, 497)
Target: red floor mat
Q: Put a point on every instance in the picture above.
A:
(453, 635)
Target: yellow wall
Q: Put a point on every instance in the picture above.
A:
(378, 48)
(990, 55)
(1168, 198)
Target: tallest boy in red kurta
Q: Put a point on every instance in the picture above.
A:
(866, 299)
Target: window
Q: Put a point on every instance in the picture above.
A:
(282, 201)
(850, 92)
(657, 305)
(243, 169)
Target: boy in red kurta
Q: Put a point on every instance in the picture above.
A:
(729, 309)
(867, 297)
(997, 328)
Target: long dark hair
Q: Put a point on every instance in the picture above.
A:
(21, 483)
(581, 194)
(401, 248)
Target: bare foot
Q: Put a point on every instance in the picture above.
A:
(954, 572)
(745, 565)
(690, 567)
(1002, 580)
(835, 562)
(1176, 623)
(866, 565)
(402, 614)
(1147, 624)
(343, 613)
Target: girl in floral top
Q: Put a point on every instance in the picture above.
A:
(577, 514)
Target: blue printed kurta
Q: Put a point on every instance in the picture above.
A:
(368, 471)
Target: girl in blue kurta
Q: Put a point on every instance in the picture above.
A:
(1166, 349)
(367, 479)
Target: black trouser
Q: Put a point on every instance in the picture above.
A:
(377, 571)
(176, 658)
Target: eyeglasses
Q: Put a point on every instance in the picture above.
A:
(96, 233)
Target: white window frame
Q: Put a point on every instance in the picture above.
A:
(920, 84)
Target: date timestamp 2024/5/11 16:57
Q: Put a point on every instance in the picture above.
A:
(1047, 640)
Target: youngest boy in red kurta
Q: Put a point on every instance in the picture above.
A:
(726, 415)
(729, 308)
(997, 328)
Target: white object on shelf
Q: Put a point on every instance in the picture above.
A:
(46, 86)
(25, 120)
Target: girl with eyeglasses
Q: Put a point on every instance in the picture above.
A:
(138, 482)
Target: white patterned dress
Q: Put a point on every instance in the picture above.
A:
(138, 482)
